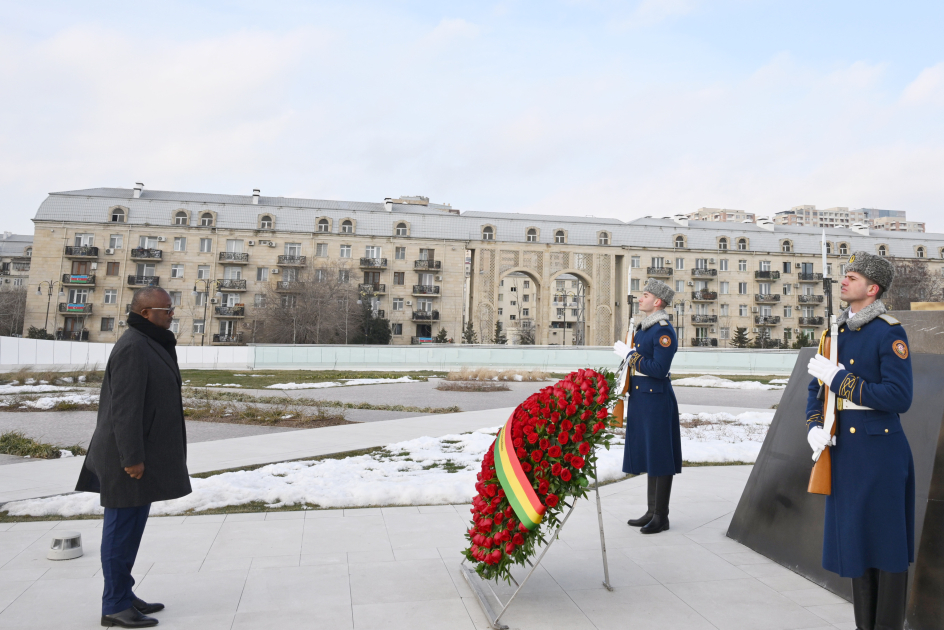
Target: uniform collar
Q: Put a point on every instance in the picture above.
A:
(863, 317)
(653, 319)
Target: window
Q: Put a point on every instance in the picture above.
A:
(84, 240)
(742, 310)
(488, 233)
(21, 266)
(532, 235)
(559, 236)
(742, 265)
(399, 277)
(198, 325)
(512, 317)
(345, 251)
(401, 229)
(786, 246)
(634, 262)
(679, 242)
(203, 272)
(206, 245)
(680, 263)
(293, 249)
(180, 243)
(723, 264)
(116, 241)
(117, 216)
(180, 218)
(724, 287)
(321, 275)
(347, 227)
(722, 244)
(525, 312)
(526, 297)
(288, 301)
(206, 220)
(843, 249)
(425, 305)
(111, 296)
(265, 223)
(725, 333)
(919, 252)
(398, 304)
(765, 265)
(882, 251)
(108, 323)
(372, 251)
(259, 300)
(634, 284)
(113, 269)
(147, 242)
(324, 225)
(78, 296)
(742, 288)
(829, 269)
(787, 288)
(396, 329)
(603, 238)
(232, 272)
(501, 297)
(724, 310)
(344, 275)
(499, 311)
(561, 312)
(742, 244)
(175, 297)
(176, 271)
(786, 267)
(200, 298)
(829, 247)
(400, 253)
(763, 288)
(679, 286)
(262, 274)
(514, 303)
(321, 250)
(175, 326)
(787, 311)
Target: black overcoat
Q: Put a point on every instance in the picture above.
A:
(140, 419)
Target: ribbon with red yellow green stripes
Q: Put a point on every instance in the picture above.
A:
(514, 482)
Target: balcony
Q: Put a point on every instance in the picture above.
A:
(427, 265)
(75, 309)
(425, 289)
(705, 342)
(766, 298)
(231, 284)
(83, 251)
(373, 288)
(425, 316)
(768, 320)
(145, 253)
(288, 286)
(292, 261)
(704, 273)
(144, 281)
(72, 335)
(704, 319)
(374, 263)
(87, 280)
(234, 258)
(767, 275)
(233, 339)
(810, 277)
(811, 321)
(230, 311)
(659, 272)
(415, 341)
(704, 296)
(810, 299)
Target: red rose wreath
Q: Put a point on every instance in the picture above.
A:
(554, 434)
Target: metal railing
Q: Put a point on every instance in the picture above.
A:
(811, 321)
(427, 265)
(658, 271)
(231, 284)
(230, 311)
(706, 342)
(78, 278)
(147, 253)
(144, 281)
(810, 299)
(425, 316)
(237, 257)
(766, 275)
(83, 251)
(292, 260)
(288, 285)
(704, 296)
(767, 320)
(703, 273)
(810, 277)
(425, 289)
(72, 335)
(236, 338)
(766, 297)
(704, 319)
(374, 263)
(71, 308)
(373, 287)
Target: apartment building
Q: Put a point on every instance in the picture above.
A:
(812, 217)
(723, 215)
(428, 266)
(16, 252)
(895, 224)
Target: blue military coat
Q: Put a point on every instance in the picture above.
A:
(870, 513)
(653, 436)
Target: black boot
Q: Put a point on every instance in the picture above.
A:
(660, 517)
(651, 500)
(891, 600)
(864, 593)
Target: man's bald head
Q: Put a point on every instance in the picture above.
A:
(148, 297)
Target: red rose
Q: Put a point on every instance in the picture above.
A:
(599, 426)
(510, 548)
(567, 425)
(491, 490)
(556, 470)
(518, 539)
(537, 455)
(586, 415)
(601, 399)
(496, 555)
(568, 457)
(571, 409)
(518, 442)
(554, 451)
(551, 429)
(555, 417)
(509, 511)
(565, 475)
(522, 528)
(499, 517)
(521, 453)
(550, 500)
(577, 462)
(525, 466)
(562, 438)
(603, 413)
(544, 444)
(534, 436)
(543, 487)
(584, 448)
(545, 464)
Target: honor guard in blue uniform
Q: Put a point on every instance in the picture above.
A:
(869, 529)
(653, 436)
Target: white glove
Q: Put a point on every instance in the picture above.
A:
(820, 367)
(621, 349)
(819, 439)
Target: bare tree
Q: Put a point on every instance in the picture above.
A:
(914, 282)
(12, 310)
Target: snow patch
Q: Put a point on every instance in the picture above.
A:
(714, 381)
(222, 385)
(346, 383)
(31, 389)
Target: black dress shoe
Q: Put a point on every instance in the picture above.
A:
(145, 608)
(128, 618)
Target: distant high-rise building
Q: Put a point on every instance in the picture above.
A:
(896, 224)
(811, 217)
(722, 215)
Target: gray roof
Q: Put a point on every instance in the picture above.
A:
(299, 215)
(14, 244)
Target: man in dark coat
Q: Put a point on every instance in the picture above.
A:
(653, 434)
(138, 453)
(869, 529)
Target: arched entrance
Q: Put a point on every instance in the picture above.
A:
(571, 320)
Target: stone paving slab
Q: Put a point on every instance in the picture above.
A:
(397, 568)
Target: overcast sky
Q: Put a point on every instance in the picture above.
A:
(617, 109)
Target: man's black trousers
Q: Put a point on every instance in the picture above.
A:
(121, 537)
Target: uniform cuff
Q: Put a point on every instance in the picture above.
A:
(844, 384)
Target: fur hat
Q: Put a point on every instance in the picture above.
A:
(661, 290)
(876, 268)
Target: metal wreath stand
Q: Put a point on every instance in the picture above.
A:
(476, 583)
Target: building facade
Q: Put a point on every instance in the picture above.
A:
(429, 267)
(16, 251)
(722, 215)
(894, 224)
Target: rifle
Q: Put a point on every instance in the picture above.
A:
(623, 375)
(821, 476)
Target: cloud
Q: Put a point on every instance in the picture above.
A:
(651, 12)
(927, 89)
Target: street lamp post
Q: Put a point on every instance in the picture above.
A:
(206, 289)
(578, 301)
(39, 291)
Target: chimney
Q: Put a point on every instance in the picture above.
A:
(255, 196)
(681, 219)
(765, 223)
(388, 204)
(137, 189)
(860, 228)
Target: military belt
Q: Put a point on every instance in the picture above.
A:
(847, 405)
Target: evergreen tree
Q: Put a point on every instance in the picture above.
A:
(469, 335)
(740, 340)
(500, 337)
(442, 336)
(374, 330)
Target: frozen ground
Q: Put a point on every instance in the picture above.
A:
(723, 383)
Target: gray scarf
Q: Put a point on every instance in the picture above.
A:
(652, 320)
(863, 317)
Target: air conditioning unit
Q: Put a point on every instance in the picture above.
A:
(121, 322)
(276, 270)
(797, 266)
(94, 265)
(271, 244)
(753, 309)
(110, 251)
(213, 300)
(796, 286)
(796, 330)
(161, 239)
(690, 283)
(755, 330)
(251, 243)
(711, 330)
(438, 278)
(409, 302)
(711, 261)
